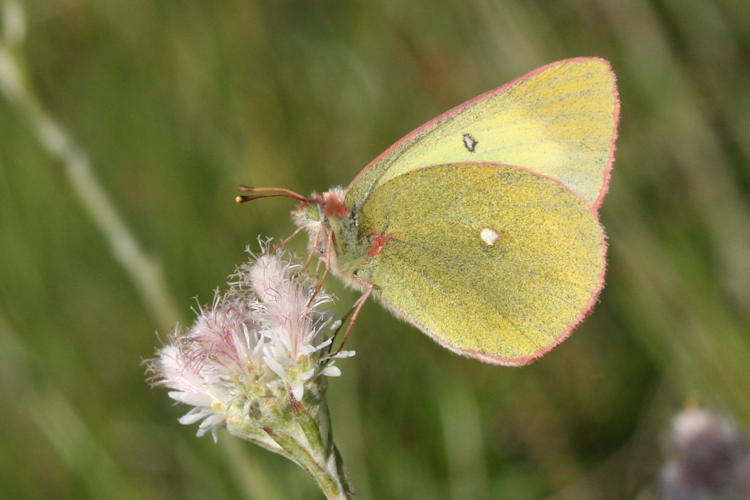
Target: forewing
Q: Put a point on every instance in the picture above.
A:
(559, 121)
(505, 301)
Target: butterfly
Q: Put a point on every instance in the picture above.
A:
(480, 227)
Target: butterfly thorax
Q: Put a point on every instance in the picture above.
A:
(326, 217)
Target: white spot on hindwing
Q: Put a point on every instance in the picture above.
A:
(488, 236)
(470, 142)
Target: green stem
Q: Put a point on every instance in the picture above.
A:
(143, 270)
(314, 436)
(331, 483)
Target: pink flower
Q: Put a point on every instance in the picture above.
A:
(258, 343)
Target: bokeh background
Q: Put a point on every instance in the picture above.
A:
(175, 103)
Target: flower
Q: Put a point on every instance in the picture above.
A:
(710, 459)
(254, 355)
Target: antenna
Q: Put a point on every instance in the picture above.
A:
(275, 193)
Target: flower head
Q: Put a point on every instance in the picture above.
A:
(710, 459)
(254, 353)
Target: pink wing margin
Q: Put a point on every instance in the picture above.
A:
(499, 90)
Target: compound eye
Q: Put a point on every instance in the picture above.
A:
(313, 212)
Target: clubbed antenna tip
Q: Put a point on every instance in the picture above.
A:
(275, 193)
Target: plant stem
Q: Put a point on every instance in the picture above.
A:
(144, 271)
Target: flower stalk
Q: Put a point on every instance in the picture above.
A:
(256, 363)
(143, 269)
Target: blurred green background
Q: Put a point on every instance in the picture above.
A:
(175, 103)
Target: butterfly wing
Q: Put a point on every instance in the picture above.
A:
(494, 262)
(559, 120)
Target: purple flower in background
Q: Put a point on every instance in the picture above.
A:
(710, 459)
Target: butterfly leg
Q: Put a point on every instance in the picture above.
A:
(285, 240)
(321, 260)
(327, 262)
(354, 312)
(310, 254)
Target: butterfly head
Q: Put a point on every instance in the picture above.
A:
(318, 213)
